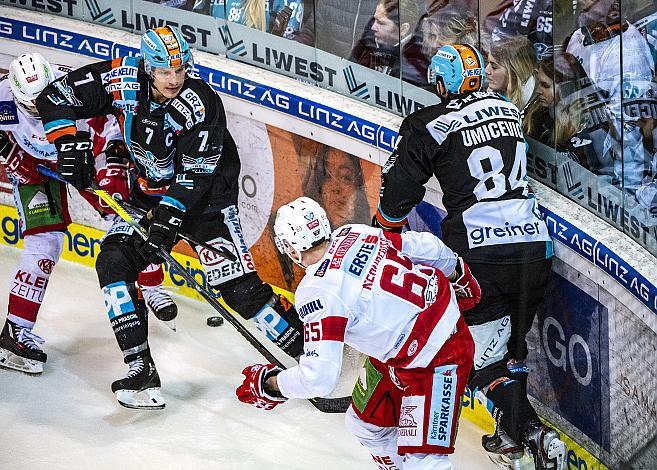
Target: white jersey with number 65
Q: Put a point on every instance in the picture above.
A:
(382, 293)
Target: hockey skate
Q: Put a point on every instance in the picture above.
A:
(20, 349)
(503, 451)
(140, 388)
(161, 304)
(543, 443)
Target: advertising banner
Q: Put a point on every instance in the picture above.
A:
(570, 370)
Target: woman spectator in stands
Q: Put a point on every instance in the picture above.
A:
(278, 17)
(510, 67)
(556, 116)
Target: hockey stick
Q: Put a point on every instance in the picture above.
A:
(223, 252)
(326, 405)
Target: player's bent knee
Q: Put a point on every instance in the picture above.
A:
(246, 295)
(113, 265)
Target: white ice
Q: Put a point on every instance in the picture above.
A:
(67, 418)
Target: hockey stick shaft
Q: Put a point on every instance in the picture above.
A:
(223, 252)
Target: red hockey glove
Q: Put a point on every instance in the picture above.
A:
(20, 165)
(466, 287)
(113, 179)
(252, 390)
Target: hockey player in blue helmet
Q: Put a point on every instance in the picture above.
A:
(185, 172)
(166, 58)
(473, 143)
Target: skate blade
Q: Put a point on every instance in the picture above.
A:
(149, 399)
(171, 324)
(11, 361)
(556, 454)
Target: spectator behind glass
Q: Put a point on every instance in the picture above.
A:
(334, 26)
(510, 69)
(556, 116)
(386, 36)
(598, 45)
(278, 17)
(449, 25)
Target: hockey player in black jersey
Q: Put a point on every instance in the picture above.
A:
(473, 143)
(186, 169)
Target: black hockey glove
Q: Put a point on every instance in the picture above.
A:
(162, 233)
(75, 159)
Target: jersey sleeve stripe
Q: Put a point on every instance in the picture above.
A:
(333, 328)
(58, 131)
(387, 222)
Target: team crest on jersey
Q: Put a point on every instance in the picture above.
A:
(8, 112)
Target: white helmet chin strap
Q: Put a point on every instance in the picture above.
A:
(294, 254)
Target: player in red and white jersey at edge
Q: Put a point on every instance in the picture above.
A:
(392, 297)
(42, 205)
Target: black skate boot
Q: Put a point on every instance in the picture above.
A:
(502, 450)
(160, 303)
(548, 451)
(140, 388)
(20, 349)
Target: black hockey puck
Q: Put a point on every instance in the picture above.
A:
(215, 321)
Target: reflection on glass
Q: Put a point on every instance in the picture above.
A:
(279, 17)
(597, 46)
(555, 117)
(389, 44)
(529, 18)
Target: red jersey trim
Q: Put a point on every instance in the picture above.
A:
(333, 328)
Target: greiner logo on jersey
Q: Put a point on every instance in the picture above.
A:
(487, 223)
(441, 412)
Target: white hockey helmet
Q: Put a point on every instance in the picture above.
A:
(29, 74)
(300, 225)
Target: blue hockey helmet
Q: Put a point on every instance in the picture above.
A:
(459, 66)
(164, 47)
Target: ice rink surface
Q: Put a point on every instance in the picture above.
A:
(68, 419)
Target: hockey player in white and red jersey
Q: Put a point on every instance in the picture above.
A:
(388, 296)
(43, 206)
